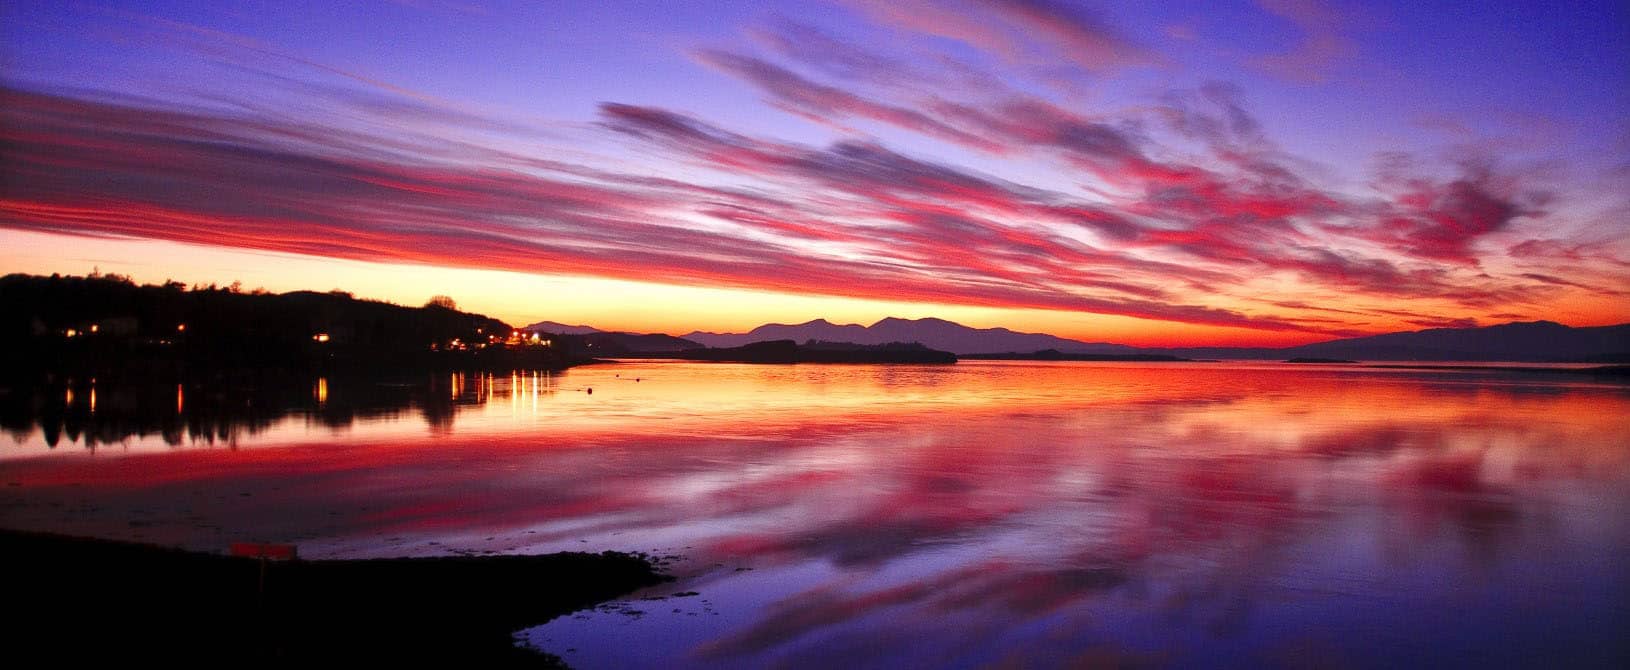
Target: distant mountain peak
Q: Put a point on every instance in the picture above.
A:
(561, 328)
(925, 320)
(930, 332)
(1535, 341)
(1539, 340)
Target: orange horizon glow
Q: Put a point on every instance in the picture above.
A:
(615, 305)
(612, 305)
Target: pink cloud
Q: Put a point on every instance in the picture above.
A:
(95, 168)
(1322, 45)
(1442, 219)
(1020, 30)
(854, 218)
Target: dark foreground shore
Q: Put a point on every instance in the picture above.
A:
(77, 599)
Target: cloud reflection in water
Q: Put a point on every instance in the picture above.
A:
(984, 513)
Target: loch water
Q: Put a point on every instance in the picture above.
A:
(982, 514)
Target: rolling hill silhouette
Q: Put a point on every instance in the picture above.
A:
(930, 332)
(560, 328)
(1533, 341)
(1527, 342)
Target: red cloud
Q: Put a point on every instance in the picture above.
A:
(1020, 29)
(88, 167)
(888, 225)
(1441, 220)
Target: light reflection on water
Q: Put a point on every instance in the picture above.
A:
(982, 513)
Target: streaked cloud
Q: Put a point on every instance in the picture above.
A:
(942, 165)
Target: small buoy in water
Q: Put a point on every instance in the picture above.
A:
(591, 390)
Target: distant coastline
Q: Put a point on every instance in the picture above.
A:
(1595, 370)
(1056, 355)
(106, 324)
(788, 351)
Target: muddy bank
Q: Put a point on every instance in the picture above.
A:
(80, 599)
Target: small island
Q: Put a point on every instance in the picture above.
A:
(815, 351)
(1056, 355)
(1319, 360)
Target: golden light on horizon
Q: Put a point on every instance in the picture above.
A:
(628, 305)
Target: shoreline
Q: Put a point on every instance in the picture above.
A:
(87, 599)
(1594, 370)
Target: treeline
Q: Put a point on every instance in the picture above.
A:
(109, 324)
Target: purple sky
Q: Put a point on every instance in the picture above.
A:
(1270, 171)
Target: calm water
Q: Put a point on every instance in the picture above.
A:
(983, 514)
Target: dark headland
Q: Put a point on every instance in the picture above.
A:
(76, 600)
(108, 325)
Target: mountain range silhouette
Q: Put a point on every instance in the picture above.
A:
(1533, 341)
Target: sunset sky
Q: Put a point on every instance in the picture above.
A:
(1268, 172)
